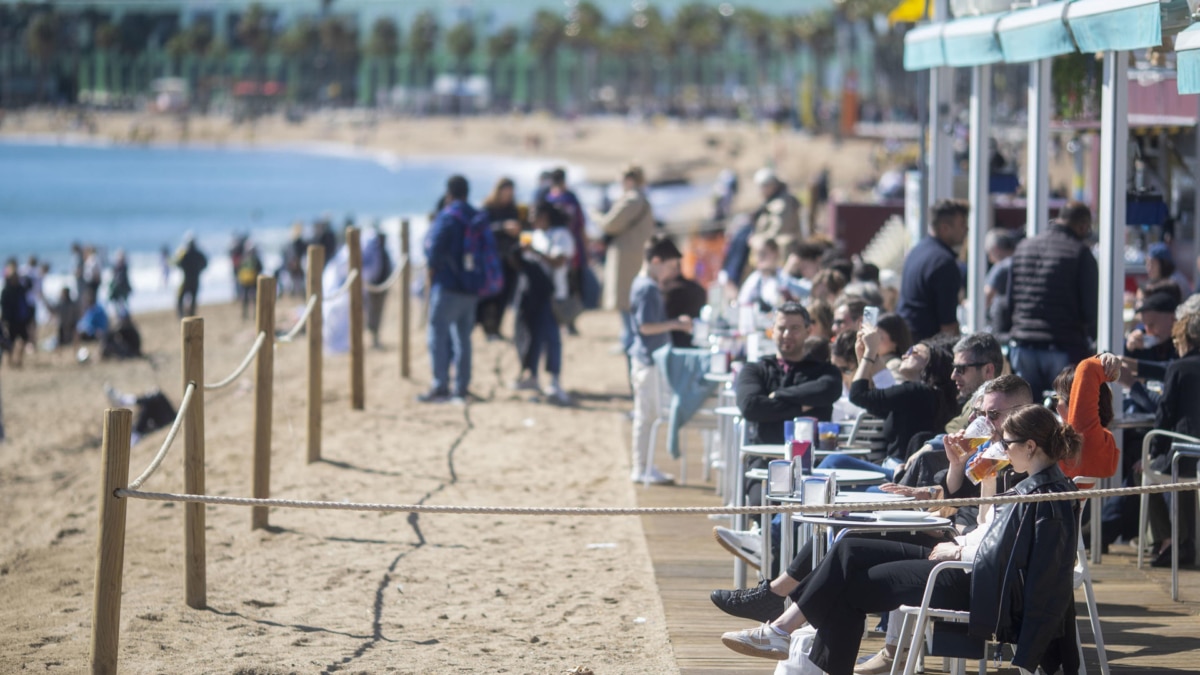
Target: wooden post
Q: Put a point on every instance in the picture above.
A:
(405, 302)
(110, 549)
(357, 395)
(264, 371)
(316, 265)
(194, 573)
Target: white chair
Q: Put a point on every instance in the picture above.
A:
(919, 628)
(662, 404)
(1150, 478)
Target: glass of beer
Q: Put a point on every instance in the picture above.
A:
(526, 238)
(986, 464)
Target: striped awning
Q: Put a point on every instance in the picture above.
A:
(972, 41)
(923, 47)
(1035, 33)
(1187, 60)
(1115, 25)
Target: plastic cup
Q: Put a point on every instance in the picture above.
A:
(827, 436)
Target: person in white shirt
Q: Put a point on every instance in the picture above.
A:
(765, 287)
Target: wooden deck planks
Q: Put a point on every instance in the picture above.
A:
(1145, 632)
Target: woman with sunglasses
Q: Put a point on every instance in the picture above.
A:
(924, 401)
(1019, 590)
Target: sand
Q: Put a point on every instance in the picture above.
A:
(351, 592)
(334, 591)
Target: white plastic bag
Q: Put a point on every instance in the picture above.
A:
(797, 662)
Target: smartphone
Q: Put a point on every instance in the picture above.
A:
(870, 317)
(779, 477)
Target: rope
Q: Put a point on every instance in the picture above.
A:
(345, 287)
(643, 511)
(258, 343)
(301, 322)
(162, 452)
(391, 280)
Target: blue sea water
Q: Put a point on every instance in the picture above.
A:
(144, 198)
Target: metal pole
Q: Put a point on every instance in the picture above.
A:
(1114, 147)
(980, 216)
(941, 148)
(1037, 144)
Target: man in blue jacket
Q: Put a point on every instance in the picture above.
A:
(451, 305)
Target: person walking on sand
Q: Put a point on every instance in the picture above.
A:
(452, 306)
(627, 226)
(377, 268)
(119, 288)
(191, 261)
(565, 199)
(15, 312)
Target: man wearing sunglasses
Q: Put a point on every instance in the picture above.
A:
(977, 359)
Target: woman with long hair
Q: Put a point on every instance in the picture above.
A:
(924, 401)
(1019, 590)
(505, 217)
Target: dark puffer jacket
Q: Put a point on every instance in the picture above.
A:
(1022, 583)
(1053, 293)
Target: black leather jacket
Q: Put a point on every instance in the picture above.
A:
(1022, 589)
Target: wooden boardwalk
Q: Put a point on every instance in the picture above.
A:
(1144, 631)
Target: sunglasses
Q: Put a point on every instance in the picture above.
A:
(960, 368)
(1005, 442)
(912, 351)
(992, 415)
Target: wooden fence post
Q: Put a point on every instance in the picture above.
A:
(357, 395)
(110, 548)
(316, 266)
(405, 302)
(263, 389)
(195, 575)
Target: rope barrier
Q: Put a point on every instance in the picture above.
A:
(345, 287)
(162, 452)
(642, 511)
(258, 343)
(301, 322)
(391, 280)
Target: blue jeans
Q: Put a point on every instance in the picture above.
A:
(1038, 366)
(545, 335)
(451, 319)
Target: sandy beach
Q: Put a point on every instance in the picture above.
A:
(325, 591)
(364, 593)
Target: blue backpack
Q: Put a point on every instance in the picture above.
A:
(481, 271)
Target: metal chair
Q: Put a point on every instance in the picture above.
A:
(1148, 479)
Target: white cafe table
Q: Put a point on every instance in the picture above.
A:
(845, 526)
(788, 547)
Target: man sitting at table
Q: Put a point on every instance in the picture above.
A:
(788, 385)
(775, 389)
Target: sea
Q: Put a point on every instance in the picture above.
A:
(145, 199)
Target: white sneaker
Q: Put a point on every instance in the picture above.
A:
(762, 641)
(556, 394)
(744, 544)
(653, 477)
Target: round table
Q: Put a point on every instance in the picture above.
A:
(787, 547)
(846, 526)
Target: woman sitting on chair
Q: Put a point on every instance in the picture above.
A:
(1020, 590)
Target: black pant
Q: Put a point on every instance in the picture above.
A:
(801, 565)
(865, 576)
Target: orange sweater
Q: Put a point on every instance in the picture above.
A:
(1100, 454)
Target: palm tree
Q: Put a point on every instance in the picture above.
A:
(698, 27)
(584, 31)
(460, 40)
(339, 47)
(384, 44)
(421, 41)
(755, 28)
(298, 47)
(254, 33)
(545, 37)
(500, 48)
(42, 42)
